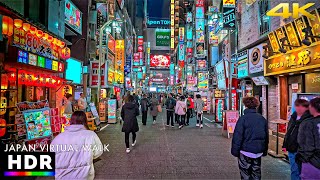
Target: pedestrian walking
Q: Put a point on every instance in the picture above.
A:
(76, 164)
(154, 108)
(199, 104)
(129, 114)
(250, 140)
(82, 103)
(181, 110)
(170, 105)
(190, 104)
(176, 98)
(144, 109)
(290, 142)
(309, 143)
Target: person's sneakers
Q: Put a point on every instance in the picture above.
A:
(134, 143)
(180, 127)
(167, 125)
(154, 122)
(127, 150)
(201, 126)
(197, 125)
(172, 126)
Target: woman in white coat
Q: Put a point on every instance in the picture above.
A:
(75, 149)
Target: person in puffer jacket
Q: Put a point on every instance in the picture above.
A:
(78, 162)
(309, 143)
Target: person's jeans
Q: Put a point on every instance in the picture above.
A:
(181, 119)
(126, 136)
(250, 168)
(189, 112)
(295, 168)
(170, 117)
(144, 117)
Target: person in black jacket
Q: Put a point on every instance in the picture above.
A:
(129, 114)
(309, 143)
(144, 108)
(250, 140)
(290, 142)
(170, 105)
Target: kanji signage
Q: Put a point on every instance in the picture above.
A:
(120, 55)
(199, 3)
(229, 18)
(298, 60)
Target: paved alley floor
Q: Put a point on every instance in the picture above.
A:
(169, 153)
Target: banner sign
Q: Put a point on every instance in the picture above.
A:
(127, 68)
(199, 12)
(232, 119)
(189, 32)
(189, 17)
(181, 52)
(112, 109)
(229, 3)
(202, 65)
(163, 38)
(229, 18)
(213, 39)
(221, 75)
(159, 61)
(199, 3)
(94, 67)
(256, 59)
(120, 55)
(243, 68)
(200, 25)
(200, 49)
(200, 36)
(157, 23)
(203, 81)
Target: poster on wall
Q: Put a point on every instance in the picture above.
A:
(200, 36)
(256, 59)
(73, 16)
(232, 119)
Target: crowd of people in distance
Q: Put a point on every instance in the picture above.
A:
(250, 139)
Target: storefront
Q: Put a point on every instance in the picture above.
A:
(32, 70)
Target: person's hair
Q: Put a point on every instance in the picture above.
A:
(130, 98)
(301, 102)
(81, 94)
(251, 102)
(68, 96)
(182, 98)
(198, 96)
(144, 95)
(315, 103)
(79, 117)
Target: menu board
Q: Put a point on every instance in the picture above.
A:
(112, 108)
(37, 123)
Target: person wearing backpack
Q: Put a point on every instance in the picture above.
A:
(170, 105)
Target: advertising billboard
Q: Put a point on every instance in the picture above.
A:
(74, 71)
(221, 75)
(202, 81)
(163, 38)
(202, 65)
(159, 61)
(73, 16)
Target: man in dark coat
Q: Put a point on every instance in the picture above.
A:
(129, 113)
(170, 105)
(250, 140)
(290, 142)
(144, 108)
(309, 143)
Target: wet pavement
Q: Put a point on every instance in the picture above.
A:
(169, 153)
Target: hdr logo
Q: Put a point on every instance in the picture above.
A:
(296, 10)
(29, 164)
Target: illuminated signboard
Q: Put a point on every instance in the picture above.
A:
(181, 34)
(159, 61)
(48, 63)
(260, 81)
(61, 67)
(200, 24)
(172, 69)
(203, 81)
(229, 3)
(120, 55)
(154, 23)
(23, 57)
(163, 38)
(181, 52)
(41, 62)
(200, 49)
(202, 65)
(229, 18)
(189, 17)
(55, 65)
(243, 68)
(74, 71)
(73, 16)
(33, 59)
(189, 32)
(221, 75)
(200, 12)
(200, 36)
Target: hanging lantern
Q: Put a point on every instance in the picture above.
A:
(26, 27)
(50, 38)
(39, 33)
(7, 25)
(18, 23)
(33, 30)
(45, 36)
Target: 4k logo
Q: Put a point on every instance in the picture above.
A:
(296, 10)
